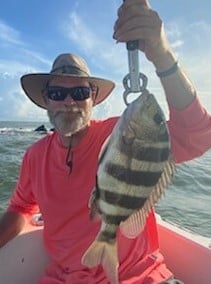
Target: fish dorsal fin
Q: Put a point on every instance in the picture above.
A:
(136, 221)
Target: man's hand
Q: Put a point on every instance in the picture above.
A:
(11, 223)
(137, 21)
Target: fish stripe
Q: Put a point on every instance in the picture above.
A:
(149, 154)
(152, 154)
(107, 236)
(107, 231)
(164, 137)
(143, 166)
(132, 177)
(123, 200)
(110, 209)
(115, 219)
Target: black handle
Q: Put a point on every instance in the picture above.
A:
(132, 45)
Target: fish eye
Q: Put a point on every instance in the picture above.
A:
(158, 118)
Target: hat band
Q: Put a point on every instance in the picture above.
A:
(69, 69)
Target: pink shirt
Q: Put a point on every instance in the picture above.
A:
(63, 200)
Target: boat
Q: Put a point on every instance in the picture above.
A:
(23, 259)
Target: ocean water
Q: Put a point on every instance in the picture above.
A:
(187, 202)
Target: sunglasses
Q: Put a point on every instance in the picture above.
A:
(60, 93)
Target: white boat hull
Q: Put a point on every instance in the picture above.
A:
(23, 260)
(188, 255)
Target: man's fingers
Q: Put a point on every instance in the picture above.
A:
(130, 4)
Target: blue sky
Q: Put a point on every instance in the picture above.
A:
(33, 33)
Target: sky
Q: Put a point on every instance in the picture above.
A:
(33, 33)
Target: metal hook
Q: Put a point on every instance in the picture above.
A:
(128, 89)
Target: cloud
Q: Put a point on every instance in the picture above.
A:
(101, 52)
(18, 53)
(106, 59)
(77, 30)
(183, 35)
(15, 105)
(177, 43)
(19, 59)
(37, 59)
(26, 110)
(191, 42)
(9, 35)
(110, 60)
(13, 69)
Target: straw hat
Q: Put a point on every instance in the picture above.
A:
(65, 65)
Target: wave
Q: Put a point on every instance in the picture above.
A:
(23, 127)
(7, 130)
(24, 130)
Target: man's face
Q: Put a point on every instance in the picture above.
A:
(69, 116)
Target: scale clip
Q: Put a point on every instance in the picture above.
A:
(127, 85)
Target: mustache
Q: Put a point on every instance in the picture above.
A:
(63, 111)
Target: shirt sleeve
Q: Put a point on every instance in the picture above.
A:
(190, 131)
(22, 199)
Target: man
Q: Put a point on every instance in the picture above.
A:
(58, 172)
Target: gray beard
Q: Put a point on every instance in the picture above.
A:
(68, 123)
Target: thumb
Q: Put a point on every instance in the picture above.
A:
(145, 3)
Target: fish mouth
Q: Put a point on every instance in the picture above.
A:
(148, 99)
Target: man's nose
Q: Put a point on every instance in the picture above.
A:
(69, 100)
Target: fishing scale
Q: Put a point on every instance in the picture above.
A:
(132, 81)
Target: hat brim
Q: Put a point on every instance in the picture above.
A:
(34, 84)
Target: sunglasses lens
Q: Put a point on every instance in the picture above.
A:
(76, 93)
(56, 94)
(80, 93)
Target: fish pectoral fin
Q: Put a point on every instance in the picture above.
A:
(94, 211)
(105, 254)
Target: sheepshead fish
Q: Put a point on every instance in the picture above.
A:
(134, 169)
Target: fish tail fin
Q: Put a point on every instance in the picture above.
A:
(105, 254)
